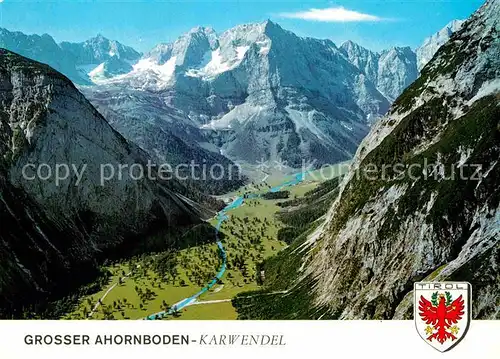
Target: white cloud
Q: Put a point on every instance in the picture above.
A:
(332, 14)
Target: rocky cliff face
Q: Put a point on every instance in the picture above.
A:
(413, 207)
(396, 71)
(50, 228)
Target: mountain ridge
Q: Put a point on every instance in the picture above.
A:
(242, 93)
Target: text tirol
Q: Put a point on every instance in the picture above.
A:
(441, 286)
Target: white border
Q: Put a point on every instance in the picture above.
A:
(304, 339)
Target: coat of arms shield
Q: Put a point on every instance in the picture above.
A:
(442, 312)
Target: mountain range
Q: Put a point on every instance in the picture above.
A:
(99, 57)
(253, 93)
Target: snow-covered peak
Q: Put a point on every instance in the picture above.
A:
(431, 44)
(189, 49)
(201, 53)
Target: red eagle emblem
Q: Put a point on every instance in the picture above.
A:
(441, 315)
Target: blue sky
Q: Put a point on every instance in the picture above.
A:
(375, 24)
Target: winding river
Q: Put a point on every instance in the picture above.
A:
(221, 217)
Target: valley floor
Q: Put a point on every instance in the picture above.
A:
(148, 284)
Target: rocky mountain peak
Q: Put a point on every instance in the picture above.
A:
(402, 51)
(190, 49)
(98, 38)
(364, 59)
(350, 47)
(391, 70)
(160, 53)
(397, 69)
(271, 28)
(201, 30)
